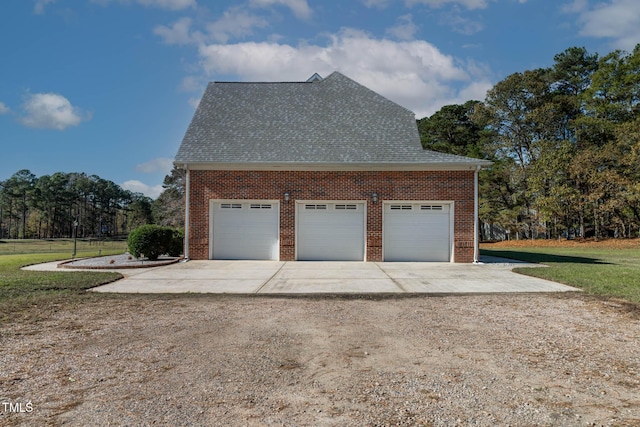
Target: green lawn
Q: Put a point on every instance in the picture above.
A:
(599, 271)
(61, 246)
(35, 294)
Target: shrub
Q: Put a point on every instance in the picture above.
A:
(153, 240)
(176, 242)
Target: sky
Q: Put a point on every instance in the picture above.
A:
(108, 87)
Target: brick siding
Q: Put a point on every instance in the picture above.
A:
(314, 185)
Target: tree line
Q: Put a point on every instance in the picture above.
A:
(68, 204)
(564, 142)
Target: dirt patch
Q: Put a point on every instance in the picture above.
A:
(220, 360)
(563, 243)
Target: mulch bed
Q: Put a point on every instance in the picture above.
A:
(563, 243)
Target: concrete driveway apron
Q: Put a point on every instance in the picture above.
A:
(328, 277)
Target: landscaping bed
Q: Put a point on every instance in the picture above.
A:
(117, 262)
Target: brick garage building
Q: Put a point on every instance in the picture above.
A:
(321, 170)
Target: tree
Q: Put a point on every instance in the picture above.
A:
(517, 111)
(564, 142)
(49, 205)
(106, 199)
(5, 210)
(139, 210)
(168, 208)
(453, 130)
(18, 191)
(573, 70)
(54, 199)
(610, 107)
(614, 94)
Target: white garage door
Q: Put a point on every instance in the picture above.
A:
(417, 232)
(245, 230)
(327, 231)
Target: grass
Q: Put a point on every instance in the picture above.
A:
(606, 272)
(34, 294)
(60, 246)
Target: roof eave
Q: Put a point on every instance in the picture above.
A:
(329, 166)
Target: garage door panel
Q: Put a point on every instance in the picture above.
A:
(431, 227)
(245, 230)
(330, 231)
(417, 232)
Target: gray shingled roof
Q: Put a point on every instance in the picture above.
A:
(335, 120)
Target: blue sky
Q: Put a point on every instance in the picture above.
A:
(108, 87)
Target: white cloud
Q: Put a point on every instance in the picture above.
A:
(405, 29)
(235, 22)
(192, 84)
(414, 74)
(162, 4)
(451, 16)
(474, 91)
(469, 4)
(140, 187)
(4, 109)
(161, 164)
(169, 4)
(300, 8)
(38, 8)
(576, 6)
(50, 111)
(618, 20)
(179, 33)
(379, 4)
(461, 24)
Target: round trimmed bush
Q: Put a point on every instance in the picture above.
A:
(153, 240)
(176, 242)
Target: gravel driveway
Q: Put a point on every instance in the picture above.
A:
(485, 360)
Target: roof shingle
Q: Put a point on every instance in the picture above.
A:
(334, 120)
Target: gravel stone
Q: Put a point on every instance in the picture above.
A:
(480, 360)
(117, 262)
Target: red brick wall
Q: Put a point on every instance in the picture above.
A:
(314, 185)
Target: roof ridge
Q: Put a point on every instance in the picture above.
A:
(257, 83)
